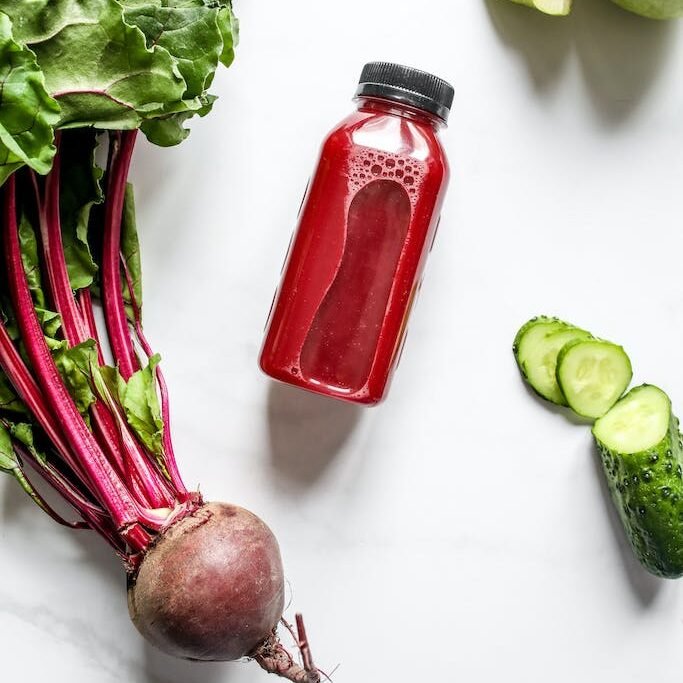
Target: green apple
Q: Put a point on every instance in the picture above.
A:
(556, 7)
(655, 9)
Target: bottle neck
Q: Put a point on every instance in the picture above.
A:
(380, 105)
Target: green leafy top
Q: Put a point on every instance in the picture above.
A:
(105, 63)
(27, 113)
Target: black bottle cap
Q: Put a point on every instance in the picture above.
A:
(408, 86)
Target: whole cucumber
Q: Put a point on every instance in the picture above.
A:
(642, 456)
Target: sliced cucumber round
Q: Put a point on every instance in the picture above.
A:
(536, 348)
(636, 423)
(642, 456)
(592, 375)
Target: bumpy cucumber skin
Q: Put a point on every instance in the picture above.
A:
(647, 489)
(541, 319)
(560, 357)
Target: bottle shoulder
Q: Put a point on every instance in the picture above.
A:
(387, 133)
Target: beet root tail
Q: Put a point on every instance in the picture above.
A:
(274, 658)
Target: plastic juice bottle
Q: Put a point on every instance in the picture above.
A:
(367, 222)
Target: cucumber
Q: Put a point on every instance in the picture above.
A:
(592, 375)
(642, 456)
(536, 348)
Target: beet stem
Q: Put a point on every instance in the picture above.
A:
(303, 644)
(121, 151)
(169, 453)
(110, 489)
(53, 254)
(29, 392)
(74, 326)
(140, 473)
(85, 304)
(146, 469)
(26, 484)
(112, 434)
(63, 486)
(95, 517)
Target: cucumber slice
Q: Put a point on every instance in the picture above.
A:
(536, 348)
(642, 457)
(592, 375)
(637, 422)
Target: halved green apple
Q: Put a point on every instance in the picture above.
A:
(559, 8)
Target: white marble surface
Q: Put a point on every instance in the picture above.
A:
(461, 531)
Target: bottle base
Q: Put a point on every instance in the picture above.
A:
(362, 397)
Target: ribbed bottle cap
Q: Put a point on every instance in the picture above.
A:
(408, 86)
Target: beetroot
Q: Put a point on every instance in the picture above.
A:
(212, 587)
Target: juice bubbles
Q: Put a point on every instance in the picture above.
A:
(367, 222)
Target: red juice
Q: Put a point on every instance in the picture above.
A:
(367, 222)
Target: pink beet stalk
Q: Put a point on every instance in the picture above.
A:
(171, 463)
(143, 466)
(72, 321)
(92, 516)
(24, 455)
(121, 151)
(53, 254)
(102, 478)
(29, 392)
(146, 485)
(31, 395)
